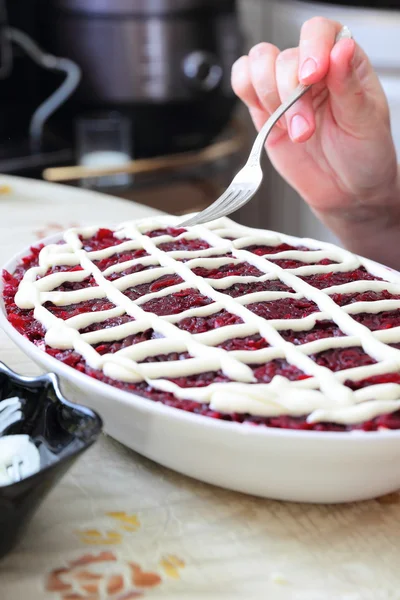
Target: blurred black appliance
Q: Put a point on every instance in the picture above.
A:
(362, 3)
(163, 64)
(21, 92)
(19, 83)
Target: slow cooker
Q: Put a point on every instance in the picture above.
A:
(164, 64)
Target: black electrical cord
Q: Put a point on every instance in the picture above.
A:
(62, 93)
(5, 44)
(72, 71)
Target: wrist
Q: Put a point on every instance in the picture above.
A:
(369, 225)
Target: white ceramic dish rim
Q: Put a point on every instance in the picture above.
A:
(146, 405)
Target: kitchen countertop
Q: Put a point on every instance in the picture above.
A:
(120, 527)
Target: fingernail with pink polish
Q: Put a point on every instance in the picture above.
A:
(236, 65)
(309, 68)
(298, 127)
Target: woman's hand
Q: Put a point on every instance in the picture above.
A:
(334, 146)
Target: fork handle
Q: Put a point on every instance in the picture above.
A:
(301, 89)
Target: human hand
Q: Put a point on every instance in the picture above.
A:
(334, 146)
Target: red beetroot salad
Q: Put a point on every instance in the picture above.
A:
(335, 359)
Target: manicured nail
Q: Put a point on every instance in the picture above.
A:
(237, 64)
(298, 127)
(353, 56)
(309, 68)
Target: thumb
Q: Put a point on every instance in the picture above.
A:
(355, 90)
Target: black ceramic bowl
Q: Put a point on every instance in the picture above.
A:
(61, 432)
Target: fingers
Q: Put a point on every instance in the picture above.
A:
(243, 87)
(317, 39)
(300, 118)
(353, 85)
(266, 77)
(242, 84)
(253, 80)
(262, 59)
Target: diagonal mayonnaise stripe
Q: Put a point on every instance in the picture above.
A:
(226, 282)
(81, 321)
(371, 307)
(123, 283)
(361, 286)
(371, 345)
(118, 267)
(336, 395)
(201, 311)
(172, 289)
(247, 299)
(328, 382)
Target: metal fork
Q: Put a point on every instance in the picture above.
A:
(246, 183)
